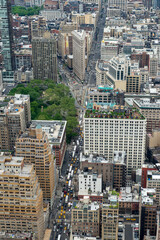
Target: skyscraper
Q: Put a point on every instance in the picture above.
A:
(79, 53)
(22, 200)
(44, 55)
(7, 41)
(34, 146)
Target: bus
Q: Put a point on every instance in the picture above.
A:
(70, 169)
(59, 237)
(69, 184)
(72, 173)
(73, 154)
(69, 175)
(66, 199)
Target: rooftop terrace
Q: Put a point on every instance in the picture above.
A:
(119, 112)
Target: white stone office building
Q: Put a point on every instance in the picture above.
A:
(120, 130)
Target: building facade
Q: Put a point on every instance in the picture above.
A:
(107, 132)
(34, 146)
(7, 42)
(85, 218)
(133, 83)
(151, 111)
(44, 57)
(89, 182)
(100, 165)
(21, 201)
(14, 118)
(56, 133)
(119, 170)
(122, 4)
(110, 222)
(79, 53)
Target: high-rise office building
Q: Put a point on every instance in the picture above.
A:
(121, 129)
(122, 4)
(21, 200)
(44, 55)
(56, 133)
(14, 118)
(34, 146)
(79, 53)
(7, 41)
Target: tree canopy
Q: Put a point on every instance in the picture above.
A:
(22, 11)
(50, 101)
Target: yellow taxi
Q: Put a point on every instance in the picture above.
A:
(64, 216)
(74, 162)
(65, 228)
(74, 171)
(66, 182)
(64, 195)
(68, 193)
(61, 207)
(59, 217)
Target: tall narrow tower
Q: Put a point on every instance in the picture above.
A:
(7, 41)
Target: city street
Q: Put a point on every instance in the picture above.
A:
(60, 218)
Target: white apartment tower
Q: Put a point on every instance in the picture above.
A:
(122, 4)
(79, 53)
(116, 130)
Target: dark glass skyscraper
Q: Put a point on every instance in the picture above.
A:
(7, 41)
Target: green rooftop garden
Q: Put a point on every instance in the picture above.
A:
(124, 113)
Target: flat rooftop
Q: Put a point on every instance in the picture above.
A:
(54, 129)
(93, 159)
(118, 112)
(144, 104)
(90, 206)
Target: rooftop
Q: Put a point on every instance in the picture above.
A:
(93, 159)
(54, 129)
(118, 112)
(148, 195)
(119, 157)
(146, 103)
(126, 195)
(15, 105)
(90, 206)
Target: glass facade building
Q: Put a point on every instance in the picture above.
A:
(7, 41)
